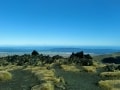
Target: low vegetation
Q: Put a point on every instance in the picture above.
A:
(81, 59)
(115, 60)
(71, 68)
(110, 74)
(10, 68)
(52, 72)
(44, 86)
(37, 59)
(48, 77)
(5, 76)
(89, 69)
(110, 84)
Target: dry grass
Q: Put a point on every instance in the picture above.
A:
(98, 64)
(10, 67)
(110, 84)
(89, 69)
(95, 63)
(110, 74)
(48, 76)
(36, 68)
(44, 86)
(4, 72)
(44, 74)
(49, 65)
(71, 68)
(5, 75)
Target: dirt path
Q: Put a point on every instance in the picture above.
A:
(80, 80)
(22, 80)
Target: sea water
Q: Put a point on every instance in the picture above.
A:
(54, 50)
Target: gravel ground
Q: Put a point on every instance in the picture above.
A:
(80, 80)
(22, 80)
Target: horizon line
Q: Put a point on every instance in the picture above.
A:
(77, 46)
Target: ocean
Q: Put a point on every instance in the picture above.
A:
(54, 50)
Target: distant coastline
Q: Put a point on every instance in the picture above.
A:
(64, 51)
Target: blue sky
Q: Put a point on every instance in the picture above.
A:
(60, 22)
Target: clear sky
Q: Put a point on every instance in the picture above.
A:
(60, 22)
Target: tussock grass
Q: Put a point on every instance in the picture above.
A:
(44, 86)
(98, 64)
(110, 84)
(110, 74)
(10, 67)
(45, 75)
(5, 76)
(71, 68)
(49, 65)
(95, 63)
(36, 68)
(89, 68)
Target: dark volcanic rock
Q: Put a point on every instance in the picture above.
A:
(35, 53)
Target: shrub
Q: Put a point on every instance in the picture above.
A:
(115, 60)
(87, 56)
(4, 76)
(86, 62)
(110, 67)
(81, 59)
(56, 57)
(118, 68)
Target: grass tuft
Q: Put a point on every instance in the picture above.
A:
(5, 76)
(71, 68)
(110, 74)
(110, 84)
(45, 75)
(89, 69)
(44, 86)
(10, 68)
